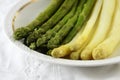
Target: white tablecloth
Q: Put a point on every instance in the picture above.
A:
(14, 65)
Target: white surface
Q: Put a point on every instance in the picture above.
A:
(14, 65)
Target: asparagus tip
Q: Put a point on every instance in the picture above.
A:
(100, 53)
(86, 54)
(74, 56)
(60, 52)
(18, 34)
(32, 46)
(39, 42)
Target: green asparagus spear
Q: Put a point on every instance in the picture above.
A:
(32, 46)
(55, 41)
(82, 18)
(64, 9)
(50, 33)
(49, 52)
(42, 17)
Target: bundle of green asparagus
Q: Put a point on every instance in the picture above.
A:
(42, 17)
(78, 29)
(61, 12)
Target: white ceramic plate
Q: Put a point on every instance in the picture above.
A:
(26, 16)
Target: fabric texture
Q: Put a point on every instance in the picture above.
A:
(15, 65)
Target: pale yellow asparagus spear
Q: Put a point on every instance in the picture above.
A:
(89, 28)
(103, 28)
(75, 55)
(107, 47)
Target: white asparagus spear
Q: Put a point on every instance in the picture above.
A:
(100, 34)
(82, 39)
(106, 48)
(90, 25)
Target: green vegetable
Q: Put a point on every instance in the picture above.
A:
(62, 11)
(68, 48)
(55, 41)
(49, 52)
(50, 33)
(23, 32)
(82, 18)
(32, 46)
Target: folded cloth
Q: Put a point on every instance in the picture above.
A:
(15, 65)
(12, 63)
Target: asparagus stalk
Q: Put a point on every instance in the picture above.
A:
(50, 33)
(55, 41)
(49, 52)
(90, 27)
(32, 46)
(80, 32)
(64, 49)
(62, 11)
(82, 18)
(42, 17)
(102, 28)
(75, 55)
(107, 47)
(68, 48)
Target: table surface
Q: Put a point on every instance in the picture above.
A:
(17, 66)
